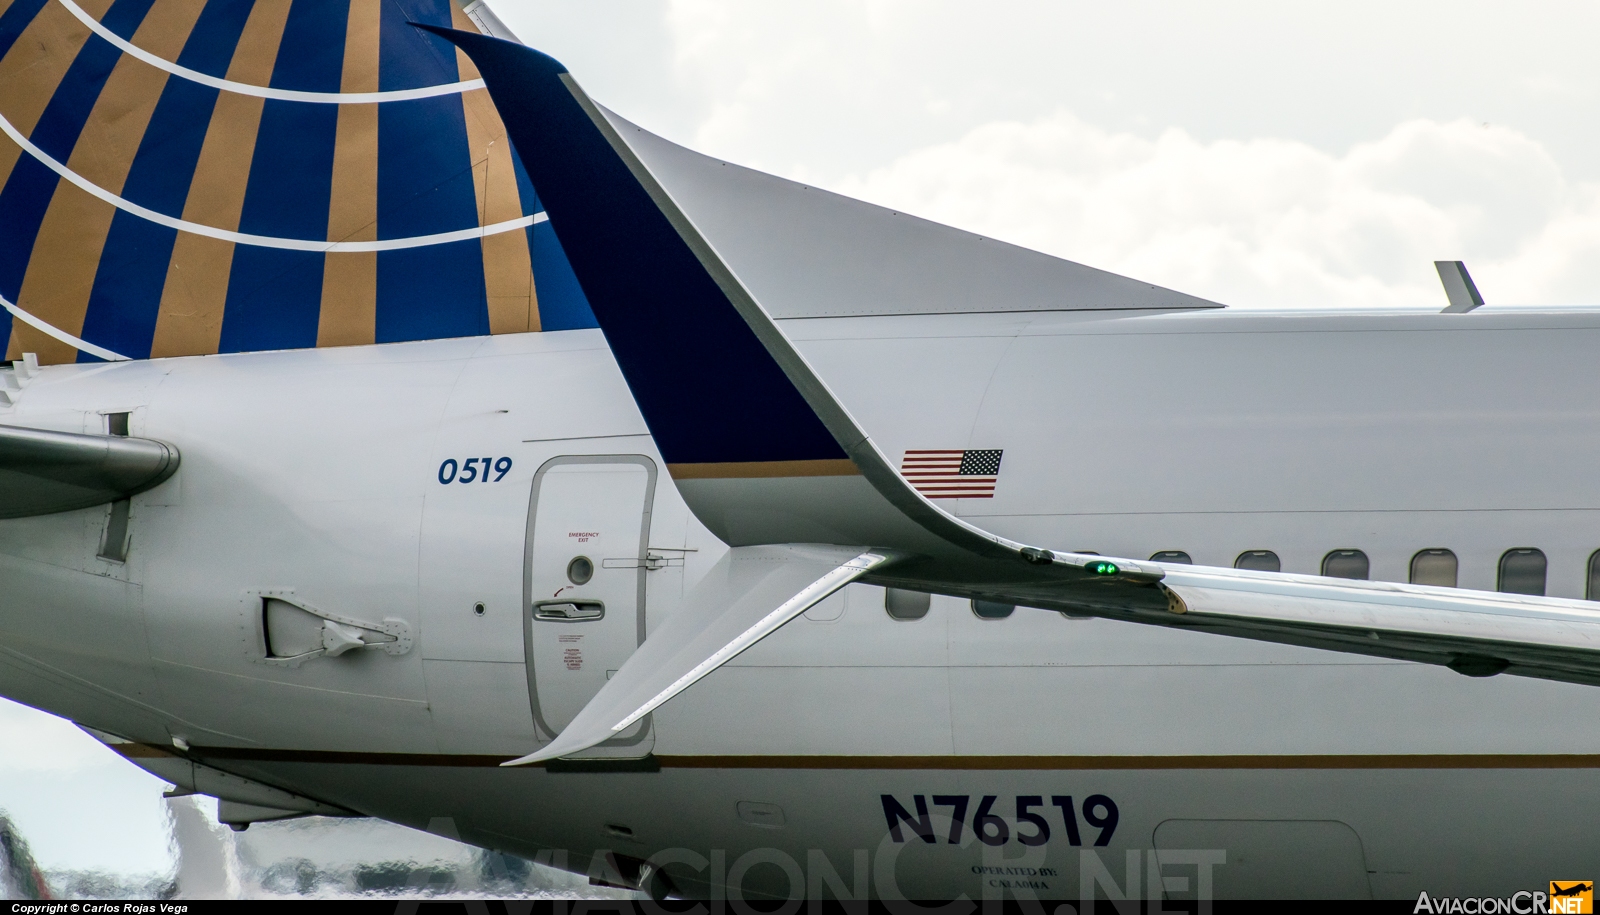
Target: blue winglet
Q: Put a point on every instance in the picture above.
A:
(758, 446)
(707, 387)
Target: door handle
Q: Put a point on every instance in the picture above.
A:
(569, 611)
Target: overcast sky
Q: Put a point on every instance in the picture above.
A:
(1256, 153)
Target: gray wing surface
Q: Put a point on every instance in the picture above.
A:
(808, 253)
(1475, 633)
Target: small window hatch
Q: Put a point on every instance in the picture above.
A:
(906, 605)
(1437, 567)
(1258, 561)
(1350, 564)
(1522, 571)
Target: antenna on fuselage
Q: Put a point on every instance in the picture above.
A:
(1458, 287)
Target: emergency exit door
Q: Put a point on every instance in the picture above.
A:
(584, 586)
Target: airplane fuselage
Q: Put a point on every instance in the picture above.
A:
(451, 485)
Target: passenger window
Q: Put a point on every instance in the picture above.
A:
(1434, 567)
(1177, 556)
(1258, 561)
(1522, 571)
(990, 610)
(1346, 564)
(1592, 592)
(906, 605)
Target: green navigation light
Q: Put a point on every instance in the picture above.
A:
(1103, 568)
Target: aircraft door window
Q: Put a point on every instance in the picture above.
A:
(1258, 561)
(992, 610)
(1591, 590)
(1176, 556)
(1522, 571)
(580, 570)
(906, 605)
(1350, 564)
(1435, 567)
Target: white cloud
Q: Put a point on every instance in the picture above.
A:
(1267, 222)
(1253, 152)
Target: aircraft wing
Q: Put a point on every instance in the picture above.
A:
(764, 454)
(755, 590)
(43, 472)
(1475, 633)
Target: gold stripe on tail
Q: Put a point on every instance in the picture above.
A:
(196, 291)
(507, 265)
(349, 314)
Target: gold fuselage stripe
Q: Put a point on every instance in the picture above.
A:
(753, 470)
(930, 763)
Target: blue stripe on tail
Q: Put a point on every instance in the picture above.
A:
(126, 299)
(27, 193)
(19, 199)
(425, 185)
(274, 295)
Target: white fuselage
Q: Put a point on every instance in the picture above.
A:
(319, 475)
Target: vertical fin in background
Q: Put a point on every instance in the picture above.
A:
(1458, 287)
(265, 174)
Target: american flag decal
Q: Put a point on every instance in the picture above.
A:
(953, 474)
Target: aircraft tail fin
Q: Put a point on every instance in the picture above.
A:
(1458, 287)
(239, 175)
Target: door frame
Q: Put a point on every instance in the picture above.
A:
(540, 727)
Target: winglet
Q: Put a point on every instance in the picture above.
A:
(750, 594)
(1458, 287)
(758, 446)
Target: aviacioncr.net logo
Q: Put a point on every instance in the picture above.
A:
(1566, 897)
